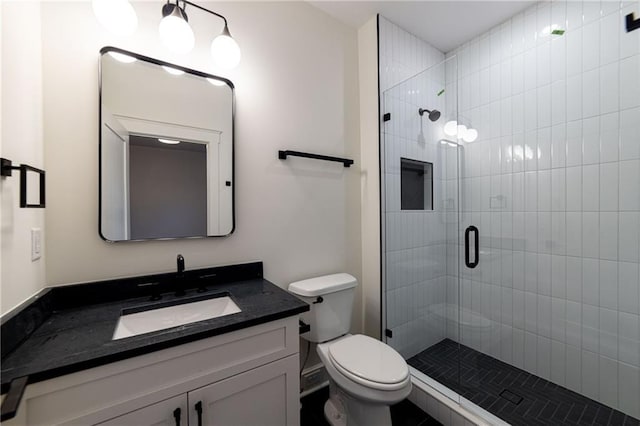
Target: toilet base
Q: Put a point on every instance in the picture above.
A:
(334, 415)
(341, 409)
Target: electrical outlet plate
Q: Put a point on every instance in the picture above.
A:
(36, 244)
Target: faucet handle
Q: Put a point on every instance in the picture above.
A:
(179, 275)
(180, 262)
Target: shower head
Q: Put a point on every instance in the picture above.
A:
(433, 114)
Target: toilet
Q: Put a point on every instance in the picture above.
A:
(366, 376)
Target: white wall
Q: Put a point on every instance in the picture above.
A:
(370, 176)
(296, 88)
(22, 142)
(558, 120)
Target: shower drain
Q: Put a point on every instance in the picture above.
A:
(511, 397)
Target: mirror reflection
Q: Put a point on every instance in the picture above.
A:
(166, 150)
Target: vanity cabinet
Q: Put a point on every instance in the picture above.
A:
(256, 397)
(244, 377)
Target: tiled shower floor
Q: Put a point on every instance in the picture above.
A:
(518, 397)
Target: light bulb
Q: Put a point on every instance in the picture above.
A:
(216, 82)
(117, 16)
(461, 130)
(121, 57)
(451, 128)
(173, 71)
(225, 50)
(470, 135)
(176, 33)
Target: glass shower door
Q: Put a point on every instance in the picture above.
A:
(420, 193)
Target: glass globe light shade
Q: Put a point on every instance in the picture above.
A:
(461, 130)
(451, 128)
(121, 57)
(225, 51)
(117, 16)
(172, 71)
(216, 82)
(176, 33)
(470, 135)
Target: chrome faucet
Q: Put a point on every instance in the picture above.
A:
(180, 276)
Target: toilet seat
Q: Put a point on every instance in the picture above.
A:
(369, 362)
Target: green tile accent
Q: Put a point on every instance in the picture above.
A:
(557, 32)
(441, 92)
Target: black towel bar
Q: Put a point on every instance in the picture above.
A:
(283, 156)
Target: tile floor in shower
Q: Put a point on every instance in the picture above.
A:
(518, 397)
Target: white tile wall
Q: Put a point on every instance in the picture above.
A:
(559, 119)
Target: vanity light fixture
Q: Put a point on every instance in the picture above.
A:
(174, 29)
(119, 17)
(169, 141)
(177, 35)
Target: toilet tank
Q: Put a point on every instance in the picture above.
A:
(331, 301)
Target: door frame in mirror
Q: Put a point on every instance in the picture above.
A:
(158, 62)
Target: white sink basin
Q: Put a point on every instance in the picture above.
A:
(173, 316)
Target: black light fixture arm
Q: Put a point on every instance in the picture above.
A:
(206, 10)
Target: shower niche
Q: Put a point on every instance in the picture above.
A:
(416, 185)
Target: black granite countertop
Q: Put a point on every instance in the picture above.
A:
(73, 337)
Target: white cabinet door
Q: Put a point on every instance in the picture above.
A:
(170, 412)
(264, 396)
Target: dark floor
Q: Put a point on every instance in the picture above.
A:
(518, 397)
(404, 413)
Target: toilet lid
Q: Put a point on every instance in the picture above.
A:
(369, 359)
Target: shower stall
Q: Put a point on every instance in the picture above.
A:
(511, 231)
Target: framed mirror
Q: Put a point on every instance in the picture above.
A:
(166, 150)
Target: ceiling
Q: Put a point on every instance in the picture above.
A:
(444, 24)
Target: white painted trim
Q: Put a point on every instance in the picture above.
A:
(467, 409)
(426, 380)
(464, 402)
(144, 126)
(313, 389)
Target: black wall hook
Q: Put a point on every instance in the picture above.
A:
(632, 23)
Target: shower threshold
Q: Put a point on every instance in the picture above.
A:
(512, 394)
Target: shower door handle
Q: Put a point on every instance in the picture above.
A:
(476, 251)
